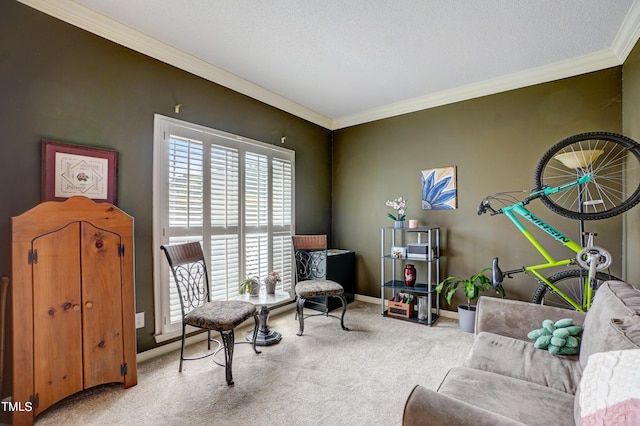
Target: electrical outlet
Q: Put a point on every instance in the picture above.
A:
(140, 320)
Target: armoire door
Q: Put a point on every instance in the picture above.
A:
(73, 302)
(102, 306)
(57, 316)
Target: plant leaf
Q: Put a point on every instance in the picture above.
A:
(450, 294)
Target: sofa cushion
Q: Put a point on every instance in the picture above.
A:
(609, 392)
(615, 303)
(514, 318)
(425, 407)
(519, 359)
(522, 401)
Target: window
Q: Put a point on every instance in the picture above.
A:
(233, 195)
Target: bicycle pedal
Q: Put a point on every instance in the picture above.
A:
(596, 254)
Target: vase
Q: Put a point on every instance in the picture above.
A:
(255, 288)
(270, 285)
(422, 308)
(398, 224)
(409, 275)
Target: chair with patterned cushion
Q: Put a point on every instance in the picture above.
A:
(310, 253)
(192, 281)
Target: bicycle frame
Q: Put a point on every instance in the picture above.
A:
(520, 210)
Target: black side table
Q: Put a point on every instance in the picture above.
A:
(341, 268)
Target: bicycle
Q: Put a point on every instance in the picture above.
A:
(589, 176)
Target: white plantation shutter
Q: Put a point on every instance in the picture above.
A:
(224, 271)
(256, 190)
(185, 201)
(186, 185)
(282, 260)
(234, 196)
(281, 222)
(282, 192)
(256, 207)
(225, 187)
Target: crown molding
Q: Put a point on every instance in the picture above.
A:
(582, 65)
(625, 40)
(628, 34)
(98, 24)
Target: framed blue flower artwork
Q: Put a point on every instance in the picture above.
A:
(439, 189)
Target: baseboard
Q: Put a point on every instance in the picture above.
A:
(448, 314)
(367, 299)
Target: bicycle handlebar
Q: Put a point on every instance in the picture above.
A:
(484, 206)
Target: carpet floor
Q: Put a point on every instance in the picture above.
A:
(326, 377)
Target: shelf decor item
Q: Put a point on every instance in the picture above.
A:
(409, 275)
(271, 281)
(399, 205)
(422, 308)
(399, 252)
(402, 305)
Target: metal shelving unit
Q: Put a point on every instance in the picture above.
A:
(427, 278)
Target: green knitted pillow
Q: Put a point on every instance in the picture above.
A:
(559, 338)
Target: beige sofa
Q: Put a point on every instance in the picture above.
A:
(506, 381)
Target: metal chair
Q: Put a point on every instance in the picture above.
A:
(192, 281)
(310, 254)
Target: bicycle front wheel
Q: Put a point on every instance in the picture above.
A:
(571, 283)
(612, 160)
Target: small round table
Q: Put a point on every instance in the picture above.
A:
(266, 336)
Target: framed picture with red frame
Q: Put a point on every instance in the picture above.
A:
(69, 170)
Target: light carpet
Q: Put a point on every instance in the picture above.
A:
(326, 377)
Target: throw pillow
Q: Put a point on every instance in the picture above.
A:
(609, 391)
(559, 337)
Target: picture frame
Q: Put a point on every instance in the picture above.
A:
(439, 188)
(399, 252)
(69, 170)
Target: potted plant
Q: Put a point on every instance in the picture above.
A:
(399, 205)
(472, 287)
(250, 285)
(271, 281)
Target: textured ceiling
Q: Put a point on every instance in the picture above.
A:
(340, 63)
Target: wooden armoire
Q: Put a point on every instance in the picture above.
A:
(73, 302)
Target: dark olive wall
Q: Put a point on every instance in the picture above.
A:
(631, 126)
(62, 83)
(59, 82)
(495, 142)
